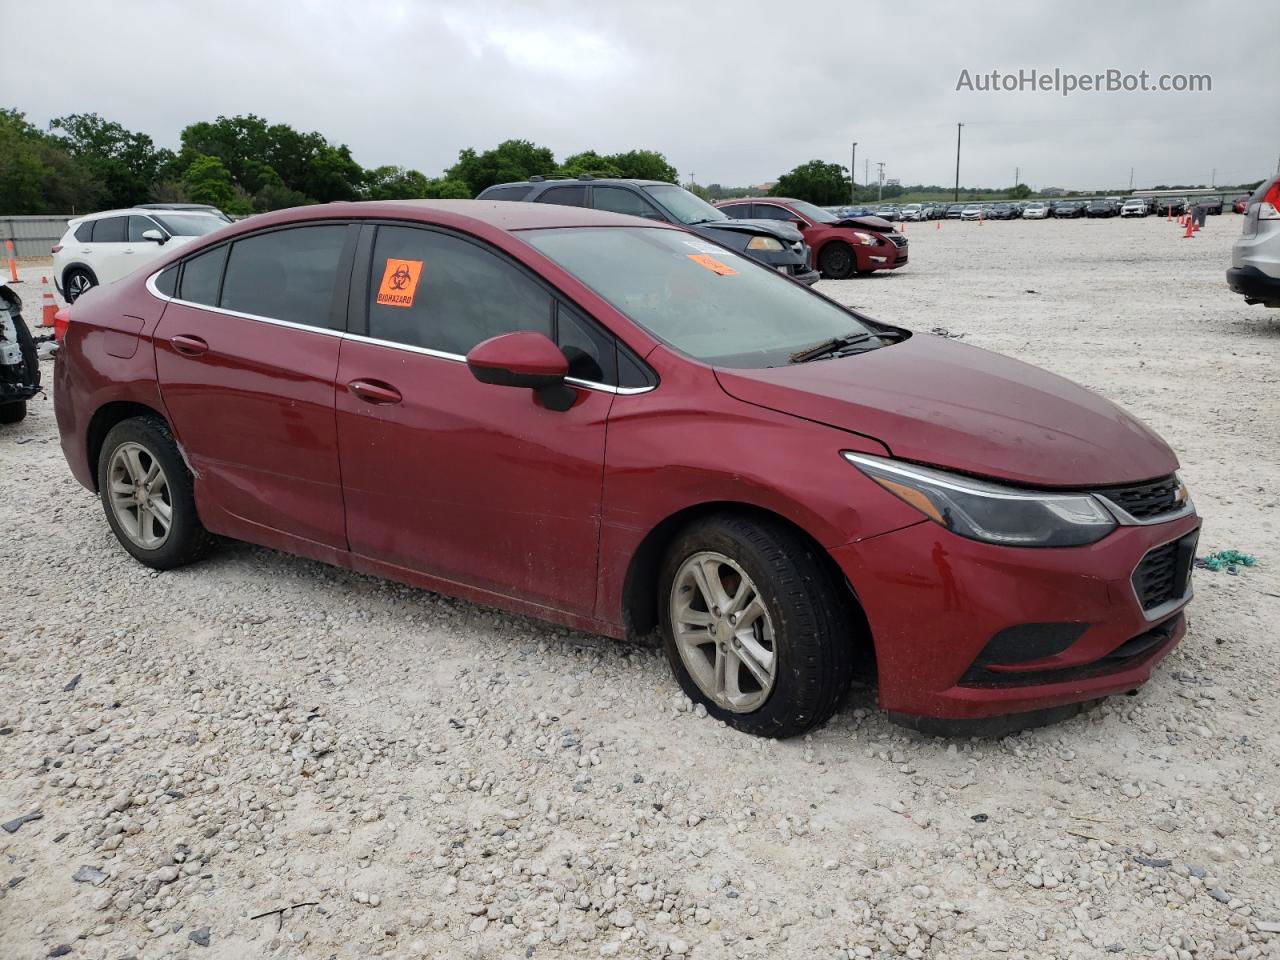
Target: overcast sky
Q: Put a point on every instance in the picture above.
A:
(732, 92)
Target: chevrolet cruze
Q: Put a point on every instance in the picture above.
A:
(612, 424)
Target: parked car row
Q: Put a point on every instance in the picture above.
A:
(1064, 208)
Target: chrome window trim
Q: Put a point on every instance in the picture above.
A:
(1169, 606)
(360, 338)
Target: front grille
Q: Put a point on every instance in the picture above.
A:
(897, 239)
(1162, 574)
(1147, 500)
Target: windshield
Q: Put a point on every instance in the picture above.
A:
(700, 298)
(683, 205)
(189, 224)
(817, 214)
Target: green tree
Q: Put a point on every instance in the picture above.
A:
(508, 161)
(443, 188)
(22, 167)
(207, 180)
(644, 165)
(395, 183)
(815, 181)
(590, 162)
(1020, 192)
(125, 162)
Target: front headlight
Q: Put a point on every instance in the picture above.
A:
(991, 512)
(866, 239)
(765, 243)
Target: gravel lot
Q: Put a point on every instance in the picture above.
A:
(434, 779)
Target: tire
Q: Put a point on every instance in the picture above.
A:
(13, 412)
(837, 261)
(147, 442)
(76, 282)
(803, 620)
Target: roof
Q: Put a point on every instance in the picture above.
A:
(756, 200)
(470, 215)
(139, 212)
(588, 178)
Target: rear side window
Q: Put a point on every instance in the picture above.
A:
(505, 193)
(109, 230)
(444, 293)
(621, 200)
(768, 211)
(286, 275)
(201, 276)
(84, 232)
(167, 282)
(566, 196)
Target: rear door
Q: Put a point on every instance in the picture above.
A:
(109, 254)
(246, 356)
(446, 476)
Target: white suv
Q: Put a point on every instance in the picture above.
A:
(103, 247)
(1255, 256)
(1134, 207)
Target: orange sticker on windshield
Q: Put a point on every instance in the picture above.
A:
(399, 281)
(712, 264)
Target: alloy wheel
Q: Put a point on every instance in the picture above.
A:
(723, 632)
(140, 497)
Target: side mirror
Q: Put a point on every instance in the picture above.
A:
(155, 236)
(527, 359)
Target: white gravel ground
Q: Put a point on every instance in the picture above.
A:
(435, 779)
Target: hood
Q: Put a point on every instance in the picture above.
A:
(869, 222)
(775, 228)
(939, 402)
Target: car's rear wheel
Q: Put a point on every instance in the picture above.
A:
(13, 412)
(148, 496)
(77, 281)
(837, 261)
(753, 626)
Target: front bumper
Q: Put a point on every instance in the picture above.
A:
(1254, 285)
(945, 612)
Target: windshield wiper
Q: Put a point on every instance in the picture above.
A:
(839, 344)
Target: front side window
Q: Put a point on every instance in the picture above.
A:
(140, 225)
(703, 300)
(771, 211)
(622, 200)
(201, 276)
(441, 292)
(189, 224)
(742, 210)
(286, 274)
(109, 230)
(816, 213)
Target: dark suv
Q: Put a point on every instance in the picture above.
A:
(774, 243)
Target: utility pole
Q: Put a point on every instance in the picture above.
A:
(880, 195)
(1131, 179)
(1017, 177)
(1213, 177)
(866, 172)
(958, 126)
(853, 172)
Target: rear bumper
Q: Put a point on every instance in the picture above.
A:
(1254, 285)
(936, 604)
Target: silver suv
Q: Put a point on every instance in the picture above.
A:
(1255, 257)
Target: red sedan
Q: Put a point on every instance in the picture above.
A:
(611, 424)
(841, 246)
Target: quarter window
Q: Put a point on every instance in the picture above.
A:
(285, 274)
(109, 230)
(621, 200)
(201, 276)
(443, 293)
(84, 232)
(589, 351)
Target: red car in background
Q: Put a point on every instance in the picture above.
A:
(841, 246)
(614, 424)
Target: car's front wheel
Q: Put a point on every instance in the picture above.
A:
(77, 281)
(753, 625)
(148, 496)
(837, 261)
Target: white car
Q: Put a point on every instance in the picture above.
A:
(912, 211)
(1136, 207)
(1036, 210)
(972, 212)
(106, 246)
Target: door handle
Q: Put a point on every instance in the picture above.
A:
(374, 391)
(188, 345)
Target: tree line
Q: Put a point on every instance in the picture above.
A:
(243, 164)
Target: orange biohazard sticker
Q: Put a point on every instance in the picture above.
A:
(712, 264)
(399, 281)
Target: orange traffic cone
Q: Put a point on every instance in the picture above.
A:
(13, 264)
(49, 309)
(1169, 207)
(938, 225)
(1190, 230)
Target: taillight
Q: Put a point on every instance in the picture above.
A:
(56, 247)
(1269, 207)
(61, 320)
